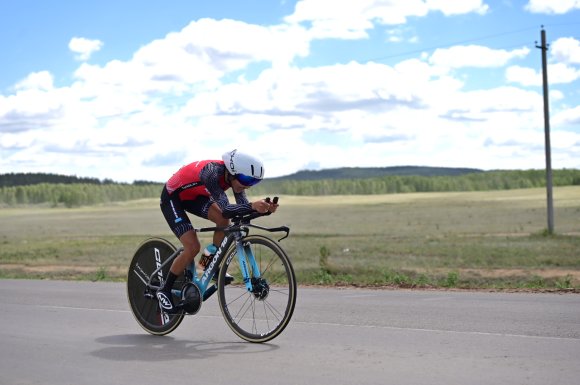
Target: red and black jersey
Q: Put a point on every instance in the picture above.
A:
(207, 178)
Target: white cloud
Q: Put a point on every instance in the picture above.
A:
(481, 107)
(35, 105)
(453, 7)
(84, 48)
(300, 96)
(556, 95)
(42, 80)
(523, 75)
(567, 117)
(328, 18)
(401, 35)
(351, 19)
(566, 50)
(198, 55)
(558, 73)
(186, 62)
(402, 111)
(552, 6)
(475, 56)
(227, 45)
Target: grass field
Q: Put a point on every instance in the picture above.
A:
(491, 239)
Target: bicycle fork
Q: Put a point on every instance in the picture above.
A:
(245, 257)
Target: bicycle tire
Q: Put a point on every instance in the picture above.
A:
(252, 316)
(142, 300)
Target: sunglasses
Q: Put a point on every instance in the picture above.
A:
(247, 180)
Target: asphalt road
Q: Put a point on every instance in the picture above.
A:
(62, 333)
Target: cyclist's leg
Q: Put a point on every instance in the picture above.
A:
(174, 212)
(215, 215)
(191, 247)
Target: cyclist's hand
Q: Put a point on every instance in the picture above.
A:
(273, 204)
(273, 207)
(261, 206)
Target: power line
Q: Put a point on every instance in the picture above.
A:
(459, 42)
(561, 24)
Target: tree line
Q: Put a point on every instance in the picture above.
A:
(25, 179)
(394, 184)
(82, 194)
(77, 194)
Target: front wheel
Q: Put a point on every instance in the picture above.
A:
(142, 300)
(261, 314)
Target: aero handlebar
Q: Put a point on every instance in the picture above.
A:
(240, 221)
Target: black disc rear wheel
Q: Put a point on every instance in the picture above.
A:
(142, 300)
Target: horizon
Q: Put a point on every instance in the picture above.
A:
(101, 180)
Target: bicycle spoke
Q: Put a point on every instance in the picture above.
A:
(241, 310)
(275, 312)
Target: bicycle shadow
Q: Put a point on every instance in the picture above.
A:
(146, 347)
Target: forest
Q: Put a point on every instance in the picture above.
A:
(54, 190)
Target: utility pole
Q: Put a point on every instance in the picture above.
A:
(544, 48)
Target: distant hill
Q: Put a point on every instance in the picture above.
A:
(374, 172)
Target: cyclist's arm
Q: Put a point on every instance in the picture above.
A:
(210, 177)
(241, 198)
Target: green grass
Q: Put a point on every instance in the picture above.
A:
(491, 239)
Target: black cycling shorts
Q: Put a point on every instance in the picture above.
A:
(174, 210)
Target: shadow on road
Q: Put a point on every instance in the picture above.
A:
(145, 347)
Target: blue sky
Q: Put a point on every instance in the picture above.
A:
(134, 89)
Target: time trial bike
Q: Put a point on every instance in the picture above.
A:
(257, 304)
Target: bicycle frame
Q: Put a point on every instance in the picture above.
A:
(234, 233)
(203, 281)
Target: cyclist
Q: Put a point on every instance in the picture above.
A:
(199, 188)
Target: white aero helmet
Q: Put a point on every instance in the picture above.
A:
(246, 168)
